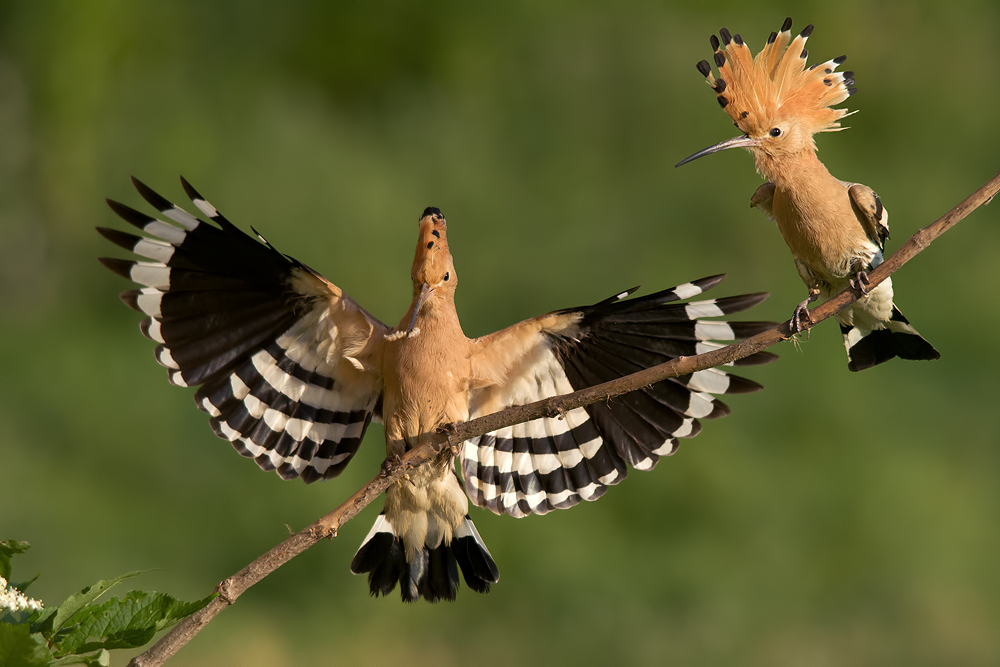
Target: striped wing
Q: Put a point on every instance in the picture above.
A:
(554, 463)
(284, 358)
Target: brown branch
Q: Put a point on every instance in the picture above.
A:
(230, 589)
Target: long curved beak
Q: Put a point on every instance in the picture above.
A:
(735, 142)
(425, 291)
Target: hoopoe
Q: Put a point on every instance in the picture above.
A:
(292, 371)
(836, 230)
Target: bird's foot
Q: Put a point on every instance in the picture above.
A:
(860, 283)
(801, 320)
(556, 412)
(449, 430)
(391, 464)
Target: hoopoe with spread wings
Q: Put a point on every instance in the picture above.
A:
(836, 230)
(292, 371)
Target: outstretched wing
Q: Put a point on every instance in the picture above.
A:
(553, 463)
(286, 361)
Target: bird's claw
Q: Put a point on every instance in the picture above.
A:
(449, 430)
(391, 465)
(860, 283)
(801, 320)
(556, 412)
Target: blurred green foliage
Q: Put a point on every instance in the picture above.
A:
(834, 518)
(83, 628)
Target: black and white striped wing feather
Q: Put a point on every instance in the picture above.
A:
(554, 463)
(281, 354)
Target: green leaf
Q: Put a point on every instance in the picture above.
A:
(23, 586)
(129, 622)
(41, 621)
(20, 648)
(78, 601)
(9, 548)
(102, 659)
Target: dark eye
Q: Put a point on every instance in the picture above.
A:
(447, 274)
(775, 132)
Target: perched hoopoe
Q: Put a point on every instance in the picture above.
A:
(292, 371)
(836, 230)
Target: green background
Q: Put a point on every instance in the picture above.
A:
(834, 518)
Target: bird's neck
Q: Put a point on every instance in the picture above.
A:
(426, 374)
(438, 314)
(794, 172)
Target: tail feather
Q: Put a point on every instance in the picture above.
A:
(441, 580)
(474, 558)
(381, 556)
(433, 573)
(867, 348)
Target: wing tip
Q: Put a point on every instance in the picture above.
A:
(156, 200)
(129, 214)
(131, 299)
(190, 191)
(122, 267)
(119, 238)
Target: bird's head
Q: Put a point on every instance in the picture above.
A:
(774, 99)
(433, 271)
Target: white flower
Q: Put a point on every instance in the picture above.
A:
(12, 599)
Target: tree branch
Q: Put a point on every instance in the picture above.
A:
(230, 589)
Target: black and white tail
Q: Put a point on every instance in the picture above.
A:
(867, 348)
(433, 573)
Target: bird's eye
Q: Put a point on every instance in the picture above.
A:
(447, 274)
(775, 132)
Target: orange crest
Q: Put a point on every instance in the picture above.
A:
(757, 91)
